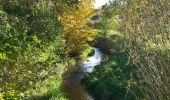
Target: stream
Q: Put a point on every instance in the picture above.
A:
(71, 78)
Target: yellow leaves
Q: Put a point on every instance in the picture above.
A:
(59, 18)
(10, 95)
(2, 56)
(1, 96)
(35, 38)
(161, 20)
(76, 32)
(162, 0)
(130, 82)
(137, 1)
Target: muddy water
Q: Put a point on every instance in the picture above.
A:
(71, 78)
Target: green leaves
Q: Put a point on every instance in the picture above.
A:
(10, 41)
(35, 39)
(30, 43)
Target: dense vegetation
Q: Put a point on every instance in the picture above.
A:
(35, 45)
(40, 39)
(140, 30)
(30, 46)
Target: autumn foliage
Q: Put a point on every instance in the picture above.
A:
(75, 30)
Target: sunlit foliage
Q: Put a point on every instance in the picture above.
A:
(143, 26)
(31, 47)
(147, 28)
(75, 29)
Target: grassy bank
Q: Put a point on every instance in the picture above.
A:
(86, 53)
(113, 80)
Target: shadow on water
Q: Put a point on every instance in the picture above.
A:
(71, 78)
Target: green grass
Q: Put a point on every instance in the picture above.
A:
(112, 80)
(86, 53)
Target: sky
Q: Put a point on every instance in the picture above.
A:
(99, 3)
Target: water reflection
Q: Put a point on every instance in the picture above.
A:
(92, 61)
(71, 78)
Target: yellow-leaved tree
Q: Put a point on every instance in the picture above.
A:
(76, 32)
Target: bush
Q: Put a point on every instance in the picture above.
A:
(86, 53)
(31, 48)
(112, 80)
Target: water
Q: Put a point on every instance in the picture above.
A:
(71, 78)
(92, 61)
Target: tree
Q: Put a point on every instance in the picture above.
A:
(75, 30)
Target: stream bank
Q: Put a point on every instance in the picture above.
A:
(72, 77)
